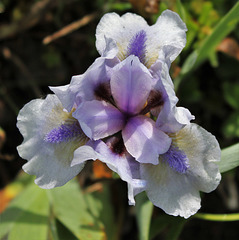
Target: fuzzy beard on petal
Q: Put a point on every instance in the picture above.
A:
(190, 166)
(51, 135)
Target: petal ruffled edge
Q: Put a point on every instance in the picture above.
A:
(50, 162)
(178, 193)
(112, 26)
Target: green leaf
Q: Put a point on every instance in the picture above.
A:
(100, 206)
(218, 217)
(70, 208)
(158, 225)
(120, 6)
(176, 228)
(231, 94)
(173, 224)
(231, 126)
(27, 216)
(181, 10)
(223, 28)
(230, 158)
(144, 209)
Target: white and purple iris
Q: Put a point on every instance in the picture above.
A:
(122, 111)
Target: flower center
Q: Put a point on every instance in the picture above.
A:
(63, 133)
(137, 46)
(117, 145)
(176, 159)
(155, 100)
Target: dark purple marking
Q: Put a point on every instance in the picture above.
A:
(103, 92)
(154, 100)
(63, 133)
(176, 159)
(137, 45)
(117, 145)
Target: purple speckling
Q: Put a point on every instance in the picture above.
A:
(63, 133)
(137, 45)
(176, 159)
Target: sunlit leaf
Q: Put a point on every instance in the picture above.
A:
(70, 208)
(100, 206)
(218, 217)
(120, 6)
(144, 209)
(223, 28)
(33, 223)
(27, 213)
(229, 159)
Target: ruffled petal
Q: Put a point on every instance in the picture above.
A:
(83, 87)
(169, 117)
(130, 85)
(169, 190)
(99, 119)
(144, 141)
(120, 162)
(174, 184)
(49, 154)
(203, 152)
(168, 34)
(120, 29)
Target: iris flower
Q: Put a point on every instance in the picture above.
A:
(123, 111)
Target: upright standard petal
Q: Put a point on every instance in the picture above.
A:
(144, 141)
(130, 84)
(84, 87)
(167, 34)
(174, 184)
(51, 135)
(99, 119)
(133, 36)
(120, 29)
(170, 118)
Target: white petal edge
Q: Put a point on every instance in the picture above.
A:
(49, 162)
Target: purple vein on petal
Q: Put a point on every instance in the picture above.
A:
(63, 133)
(137, 45)
(176, 159)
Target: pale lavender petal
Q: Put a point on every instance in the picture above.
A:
(120, 29)
(67, 99)
(49, 153)
(99, 119)
(144, 141)
(169, 117)
(203, 152)
(83, 87)
(169, 190)
(130, 84)
(169, 30)
(174, 183)
(134, 190)
(114, 154)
